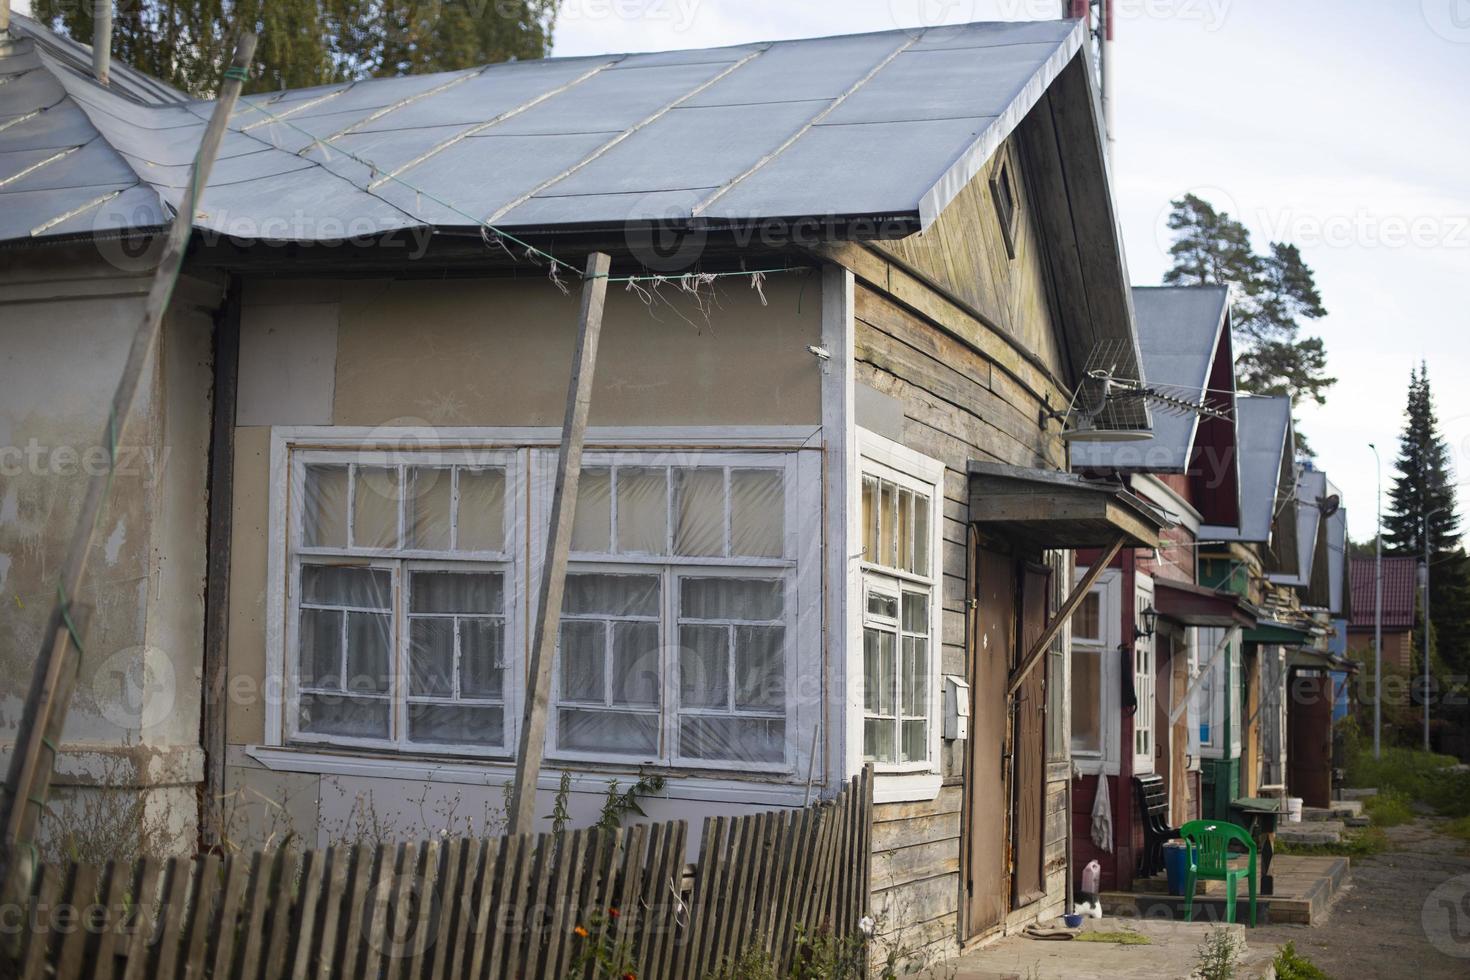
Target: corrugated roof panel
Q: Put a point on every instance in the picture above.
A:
(91, 164)
(943, 84)
(820, 68)
(499, 89)
(610, 101)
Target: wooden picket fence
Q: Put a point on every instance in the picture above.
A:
(527, 906)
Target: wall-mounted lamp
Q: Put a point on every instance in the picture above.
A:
(1150, 617)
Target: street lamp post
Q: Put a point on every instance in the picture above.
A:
(1378, 615)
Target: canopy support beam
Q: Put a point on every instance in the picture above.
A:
(1079, 592)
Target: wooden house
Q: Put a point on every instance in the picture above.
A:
(825, 518)
(1136, 646)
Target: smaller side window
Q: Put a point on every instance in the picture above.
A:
(1007, 204)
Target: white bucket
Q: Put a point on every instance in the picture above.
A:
(1293, 809)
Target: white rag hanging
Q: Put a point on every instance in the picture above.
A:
(1102, 816)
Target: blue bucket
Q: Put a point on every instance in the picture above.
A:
(1176, 865)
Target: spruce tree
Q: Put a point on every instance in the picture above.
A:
(1424, 486)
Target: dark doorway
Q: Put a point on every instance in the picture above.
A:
(1309, 737)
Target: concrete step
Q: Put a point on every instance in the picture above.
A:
(1340, 810)
(1305, 888)
(1313, 832)
(1361, 793)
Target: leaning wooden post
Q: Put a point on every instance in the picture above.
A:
(558, 545)
(44, 715)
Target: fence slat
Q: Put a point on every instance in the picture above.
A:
(145, 903)
(667, 899)
(205, 893)
(467, 933)
(278, 920)
(175, 893)
(339, 875)
(80, 901)
(307, 925)
(38, 944)
(354, 907)
(227, 925)
(501, 899)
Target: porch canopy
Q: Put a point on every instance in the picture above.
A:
(1320, 660)
(1274, 632)
(1049, 509)
(1195, 605)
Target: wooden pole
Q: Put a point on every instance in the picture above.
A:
(558, 545)
(44, 714)
(1033, 656)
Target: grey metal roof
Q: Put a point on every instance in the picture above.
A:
(1336, 554)
(875, 125)
(1263, 430)
(1178, 335)
(1311, 488)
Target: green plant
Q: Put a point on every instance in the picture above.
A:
(1388, 809)
(560, 815)
(600, 953)
(1291, 965)
(1218, 955)
(1120, 937)
(618, 805)
(1354, 844)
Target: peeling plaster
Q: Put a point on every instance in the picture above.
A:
(114, 544)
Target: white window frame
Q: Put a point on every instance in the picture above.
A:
(1211, 702)
(532, 490)
(889, 460)
(800, 567)
(401, 562)
(1109, 586)
(1141, 658)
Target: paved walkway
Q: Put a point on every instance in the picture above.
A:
(1172, 953)
(1406, 913)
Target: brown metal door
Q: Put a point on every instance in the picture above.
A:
(1309, 737)
(1027, 884)
(992, 646)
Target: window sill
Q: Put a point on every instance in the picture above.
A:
(906, 787)
(1094, 767)
(734, 788)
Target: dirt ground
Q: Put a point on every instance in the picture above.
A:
(1406, 913)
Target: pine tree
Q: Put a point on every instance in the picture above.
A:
(1270, 296)
(311, 42)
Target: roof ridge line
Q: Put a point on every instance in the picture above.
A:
(807, 127)
(637, 127)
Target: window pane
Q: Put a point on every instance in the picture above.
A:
(321, 648)
(481, 658)
(915, 746)
(592, 523)
(347, 585)
(760, 668)
(607, 732)
(368, 644)
(704, 665)
(757, 513)
(583, 649)
(736, 739)
(699, 511)
(878, 740)
(429, 491)
(481, 516)
(333, 714)
(922, 535)
(375, 507)
(456, 724)
(882, 604)
(887, 536)
(883, 677)
(431, 657)
(611, 595)
(1086, 701)
(915, 612)
(870, 519)
(905, 529)
(745, 599)
(1087, 621)
(915, 694)
(643, 520)
(635, 669)
(872, 670)
(324, 507)
(456, 592)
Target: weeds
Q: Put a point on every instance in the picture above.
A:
(618, 805)
(1218, 955)
(1389, 808)
(1354, 844)
(1291, 965)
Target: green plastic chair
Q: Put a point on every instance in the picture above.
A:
(1209, 858)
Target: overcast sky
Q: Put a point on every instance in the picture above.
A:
(1341, 126)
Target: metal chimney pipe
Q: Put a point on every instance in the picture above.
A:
(4, 19)
(1105, 70)
(102, 40)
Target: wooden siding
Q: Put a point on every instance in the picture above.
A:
(966, 394)
(964, 253)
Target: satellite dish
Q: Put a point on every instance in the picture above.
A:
(1329, 505)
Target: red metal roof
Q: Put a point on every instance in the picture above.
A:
(1400, 577)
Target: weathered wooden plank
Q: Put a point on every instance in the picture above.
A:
(175, 892)
(905, 864)
(146, 899)
(950, 799)
(37, 952)
(306, 923)
(356, 900)
(340, 872)
(273, 961)
(894, 834)
(81, 898)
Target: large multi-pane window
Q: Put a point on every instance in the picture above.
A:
(1142, 652)
(1088, 652)
(898, 642)
(678, 612)
(409, 585)
(400, 579)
